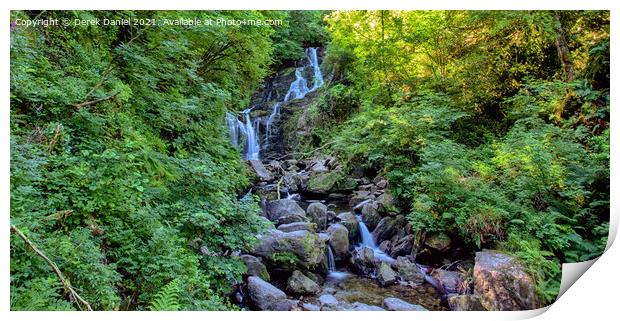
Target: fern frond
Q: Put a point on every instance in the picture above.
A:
(167, 299)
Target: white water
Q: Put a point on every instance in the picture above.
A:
(316, 68)
(249, 131)
(369, 241)
(332, 273)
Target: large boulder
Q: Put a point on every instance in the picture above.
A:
(408, 270)
(371, 215)
(387, 227)
(328, 302)
(317, 213)
(438, 241)
(306, 246)
(349, 220)
(297, 226)
(502, 283)
(465, 302)
(339, 240)
(403, 246)
(385, 274)
(359, 197)
(363, 260)
(255, 267)
(265, 296)
(260, 170)
(283, 220)
(322, 182)
(450, 280)
(395, 304)
(284, 207)
(300, 284)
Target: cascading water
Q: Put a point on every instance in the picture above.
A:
(316, 68)
(249, 131)
(331, 262)
(369, 241)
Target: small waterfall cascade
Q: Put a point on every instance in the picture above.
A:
(331, 262)
(316, 68)
(369, 241)
(245, 134)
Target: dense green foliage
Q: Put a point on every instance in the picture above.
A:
(122, 174)
(119, 172)
(480, 132)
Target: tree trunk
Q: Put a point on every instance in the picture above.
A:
(563, 52)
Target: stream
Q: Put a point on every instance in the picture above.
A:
(354, 274)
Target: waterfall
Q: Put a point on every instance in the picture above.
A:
(316, 68)
(233, 128)
(299, 87)
(248, 133)
(369, 241)
(275, 113)
(331, 262)
(253, 148)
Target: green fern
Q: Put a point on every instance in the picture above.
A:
(167, 299)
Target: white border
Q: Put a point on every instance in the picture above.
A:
(593, 296)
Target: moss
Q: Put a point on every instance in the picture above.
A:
(323, 183)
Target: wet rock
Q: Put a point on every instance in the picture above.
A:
(318, 166)
(347, 184)
(384, 202)
(403, 246)
(360, 196)
(385, 274)
(395, 304)
(385, 246)
(328, 302)
(408, 270)
(306, 246)
(310, 307)
(337, 196)
(297, 226)
(349, 220)
(317, 213)
(322, 182)
(450, 280)
(300, 284)
(502, 283)
(284, 207)
(438, 241)
(387, 227)
(260, 170)
(315, 277)
(339, 241)
(255, 267)
(363, 260)
(370, 215)
(291, 219)
(465, 303)
(357, 306)
(265, 296)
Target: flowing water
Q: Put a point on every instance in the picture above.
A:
(245, 135)
(369, 241)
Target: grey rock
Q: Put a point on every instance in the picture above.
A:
(265, 296)
(450, 280)
(255, 267)
(306, 246)
(385, 274)
(395, 304)
(438, 241)
(349, 220)
(465, 302)
(371, 215)
(317, 213)
(260, 170)
(298, 283)
(297, 226)
(284, 207)
(339, 241)
(408, 270)
(363, 260)
(502, 282)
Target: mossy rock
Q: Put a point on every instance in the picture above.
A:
(323, 183)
